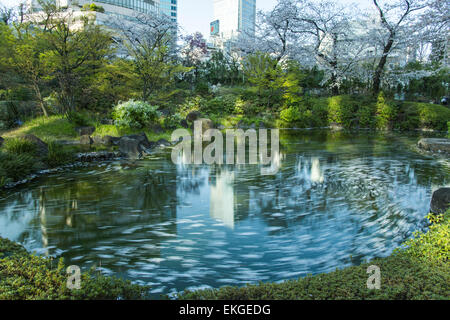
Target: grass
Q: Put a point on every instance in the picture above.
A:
(51, 128)
(59, 128)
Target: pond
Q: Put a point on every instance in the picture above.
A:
(338, 199)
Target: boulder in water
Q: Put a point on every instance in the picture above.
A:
(435, 145)
(440, 202)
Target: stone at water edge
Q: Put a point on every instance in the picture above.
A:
(206, 124)
(184, 124)
(435, 145)
(41, 146)
(440, 201)
(97, 139)
(141, 138)
(85, 131)
(131, 148)
(192, 116)
(86, 140)
(109, 140)
(163, 143)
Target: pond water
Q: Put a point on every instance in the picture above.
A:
(338, 198)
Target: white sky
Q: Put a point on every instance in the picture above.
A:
(196, 15)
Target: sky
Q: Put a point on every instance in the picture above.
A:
(196, 15)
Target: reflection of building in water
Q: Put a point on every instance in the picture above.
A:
(316, 174)
(222, 198)
(310, 170)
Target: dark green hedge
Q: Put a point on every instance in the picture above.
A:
(402, 278)
(28, 277)
(364, 112)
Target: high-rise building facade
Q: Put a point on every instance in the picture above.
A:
(169, 8)
(233, 17)
(110, 6)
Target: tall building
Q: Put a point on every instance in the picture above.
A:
(233, 17)
(169, 8)
(121, 10)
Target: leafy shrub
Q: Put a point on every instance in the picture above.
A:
(366, 116)
(341, 110)
(135, 114)
(290, 115)
(92, 7)
(434, 245)
(58, 155)
(15, 167)
(18, 146)
(202, 88)
(433, 116)
(219, 105)
(172, 121)
(319, 110)
(78, 119)
(385, 113)
(25, 277)
(402, 279)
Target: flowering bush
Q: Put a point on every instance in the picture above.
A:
(136, 114)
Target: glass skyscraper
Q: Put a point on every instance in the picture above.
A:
(235, 17)
(169, 8)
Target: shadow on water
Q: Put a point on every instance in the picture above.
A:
(338, 198)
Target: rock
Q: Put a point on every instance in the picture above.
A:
(192, 116)
(97, 139)
(85, 131)
(261, 125)
(163, 143)
(67, 142)
(241, 125)
(206, 124)
(440, 201)
(141, 137)
(107, 121)
(42, 147)
(109, 141)
(435, 145)
(131, 148)
(97, 156)
(1, 141)
(184, 124)
(86, 140)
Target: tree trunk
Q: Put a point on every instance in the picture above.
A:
(40, 100)
(381, 64)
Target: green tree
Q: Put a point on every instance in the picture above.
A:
(28, 52)
(74, 43)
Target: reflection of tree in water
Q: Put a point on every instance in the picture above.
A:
(119, 216)
(190, 179)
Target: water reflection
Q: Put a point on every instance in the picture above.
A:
(334, 201)
(222, 198)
